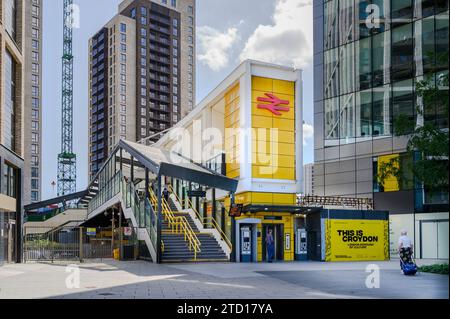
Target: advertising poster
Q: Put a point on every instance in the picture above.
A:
(356, 240)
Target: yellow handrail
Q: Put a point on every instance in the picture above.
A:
(179, 224)
(213, 222)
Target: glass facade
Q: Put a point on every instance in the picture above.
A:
(375, 52)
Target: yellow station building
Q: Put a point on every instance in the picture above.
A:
(249, 128)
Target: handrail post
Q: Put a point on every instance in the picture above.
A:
(81, 244)
(158, 228)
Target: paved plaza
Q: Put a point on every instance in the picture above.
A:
(141, 280)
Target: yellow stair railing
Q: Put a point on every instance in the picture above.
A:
(209, 220)
(177, 224)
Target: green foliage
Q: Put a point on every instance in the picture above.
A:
(435, 269)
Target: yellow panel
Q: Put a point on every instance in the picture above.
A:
(233, 174)
(284, 199)
(263, 159)
(284, 173)
(290, 98)
(261, 147)
(261, 121)
(262, 84)
(284, 161)
(285, 149)
(257, 172)
(390, 183)
(284, 87)
(286, 136)
(243, 198)
(283, 124)
(262, 198)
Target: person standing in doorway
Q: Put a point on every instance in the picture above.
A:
(165, 194)
(270, 245)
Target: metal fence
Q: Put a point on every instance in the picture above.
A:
(78, 243)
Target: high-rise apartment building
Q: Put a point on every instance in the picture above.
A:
(33, 101)
(368, 58)
(141, 74)
(11, 127)
(308, 179)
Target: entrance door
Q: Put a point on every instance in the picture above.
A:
(277, 233)
(434, 239)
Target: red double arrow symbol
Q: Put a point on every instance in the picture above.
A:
(275, 104)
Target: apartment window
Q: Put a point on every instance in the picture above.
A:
(34, 184)
(35, 10)
(34, 172)
(9, 181)
(174, 3)
(34, 196)
(164, 1)
(123, 37)
(34, 161)
(123, 27)
(35, 137)
(143, 20)
(133, 13)
(144, 11)
(123, 119)
(34, 21)
(123, 48)
(175, 42)
(123, 129)
(123, 68)
(35, 44)
(175, 22)
(190, 9)
(34, 149)
(191, 50)
(123, 58)
(35, 33)
(190, 40)
(175, 52)
(35, 114)
(35, 56)
(143, 32)
(35, 79)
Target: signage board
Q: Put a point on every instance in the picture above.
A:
(236, 210)
(91, 231)
(356, 240)
(196, 193)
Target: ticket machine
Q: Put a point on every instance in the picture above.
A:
(246, 243)
(301, 244)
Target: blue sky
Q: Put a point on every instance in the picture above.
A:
(277, 31)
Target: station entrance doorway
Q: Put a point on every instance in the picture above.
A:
(277, 233)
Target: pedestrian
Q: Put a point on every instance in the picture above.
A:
(270, 245)
(405, 248)
(166, 194)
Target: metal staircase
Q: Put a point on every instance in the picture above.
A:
(178, 246)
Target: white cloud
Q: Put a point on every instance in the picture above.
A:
(308, 132)
(215, 46)
(288, 39)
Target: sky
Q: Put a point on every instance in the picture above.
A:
(228, 32)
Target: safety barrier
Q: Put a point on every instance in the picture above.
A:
(177, 224)
(207, 221)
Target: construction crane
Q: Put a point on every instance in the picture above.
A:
(67, 160)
